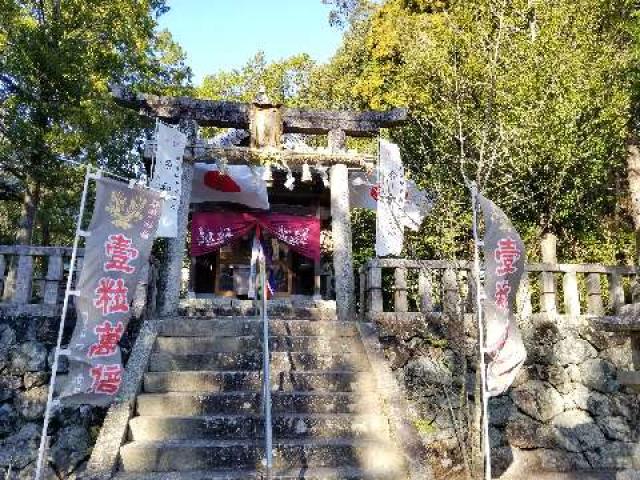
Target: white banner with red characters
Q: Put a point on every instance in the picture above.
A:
(121, 233)
(504, 257)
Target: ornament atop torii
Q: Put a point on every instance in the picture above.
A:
(266, 122)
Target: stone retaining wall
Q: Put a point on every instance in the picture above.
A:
(26, 355)
(565, 411)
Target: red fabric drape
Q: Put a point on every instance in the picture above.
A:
(212, 230)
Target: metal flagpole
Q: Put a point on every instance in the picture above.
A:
(486, 444)
(68, 292)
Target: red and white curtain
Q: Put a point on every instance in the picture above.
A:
(210, 231)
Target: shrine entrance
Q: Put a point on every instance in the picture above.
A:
(326, 196)
(225, 271)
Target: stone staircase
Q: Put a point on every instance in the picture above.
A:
(199, 414)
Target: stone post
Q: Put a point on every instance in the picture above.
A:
(400, 293)
(172, 273)
(55, 269)
(24, 277)
(342, 250)
(424, 291)
(571, 294)
(374, 287)
(594, 295)
(547, 279)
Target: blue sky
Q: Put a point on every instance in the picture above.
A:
(224, 34)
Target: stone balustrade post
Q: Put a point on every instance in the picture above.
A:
(400, 290)
(451, 298)
(425, 287)
(523, 298)
(24, 278)
(616, 292)
(363, 294)
(52, 280)
(374, 286)
(547, 279)
(571, 294)
(548, 293)
(594, 295)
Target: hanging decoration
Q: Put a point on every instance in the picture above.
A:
(167, 175)
(212, 230)
(117, 249)
(324, 176)
(290, 181)
(242, 184)
(306, 173)
(267, 175)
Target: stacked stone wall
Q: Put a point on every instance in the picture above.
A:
(565, 411)
(26, 355)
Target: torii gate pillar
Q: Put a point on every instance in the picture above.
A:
(171, 280)
(341, 232)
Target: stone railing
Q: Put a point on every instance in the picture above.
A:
(33, 280)
(406, 288)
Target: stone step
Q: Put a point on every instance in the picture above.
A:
(210, 381)
(203, 404)
(196, 327)
(147, 428)
(212, 344)
(161, 362)
(301, 473)
(240, 308)
(189, 455)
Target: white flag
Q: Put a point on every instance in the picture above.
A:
(363, 190)
(167, 176)
(241, 184)
(391, 202)
(417, 206)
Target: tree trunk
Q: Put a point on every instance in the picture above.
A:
(633, 178)
(30, 201)
(46, 232)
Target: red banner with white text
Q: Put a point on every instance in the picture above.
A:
(210, 231)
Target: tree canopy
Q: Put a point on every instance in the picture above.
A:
(534, 100)
(529, 99)
(56, 62)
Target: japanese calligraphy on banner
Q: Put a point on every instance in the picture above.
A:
(392, 196)
(504, 256)
(120, 237)
(167, 176)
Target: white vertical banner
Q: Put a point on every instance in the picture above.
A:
(391, 201)
(167, 176)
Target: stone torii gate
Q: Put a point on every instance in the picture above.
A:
(266, 122)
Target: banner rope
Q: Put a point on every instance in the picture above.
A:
(486, 443)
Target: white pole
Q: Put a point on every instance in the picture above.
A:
(486, 444)
(63, 315)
